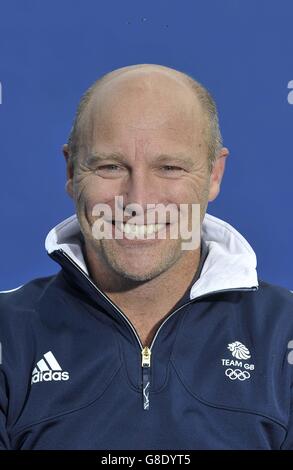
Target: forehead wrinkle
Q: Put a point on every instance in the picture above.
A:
(118, 156)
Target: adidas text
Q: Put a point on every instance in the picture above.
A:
(49, 376)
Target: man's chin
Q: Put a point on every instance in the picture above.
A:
(138, 275)
(139, 265)
(142, 271)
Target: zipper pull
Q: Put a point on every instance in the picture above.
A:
(146, 364)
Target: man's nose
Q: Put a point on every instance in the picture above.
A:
(140, 189)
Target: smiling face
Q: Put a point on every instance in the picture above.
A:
(143, 139)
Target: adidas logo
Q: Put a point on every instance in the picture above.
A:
(48, 369)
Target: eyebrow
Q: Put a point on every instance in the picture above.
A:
(96, 157)
(119, 157)
(176, 158)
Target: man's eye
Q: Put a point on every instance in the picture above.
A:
(172, 168)
(109, 167)
(109, 171)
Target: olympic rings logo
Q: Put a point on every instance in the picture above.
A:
(234, 374)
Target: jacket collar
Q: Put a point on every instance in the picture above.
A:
(229, 265)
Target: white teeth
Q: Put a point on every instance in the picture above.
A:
(151, 229)
(139, 230)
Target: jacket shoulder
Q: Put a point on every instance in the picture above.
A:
(24, 297)
(274, 292)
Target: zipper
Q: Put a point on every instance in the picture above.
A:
(146, 365)
(146, 351)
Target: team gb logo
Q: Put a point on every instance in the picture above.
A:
(239, 351)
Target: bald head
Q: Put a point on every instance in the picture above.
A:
(149, 86)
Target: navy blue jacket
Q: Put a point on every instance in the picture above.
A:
(73, 375)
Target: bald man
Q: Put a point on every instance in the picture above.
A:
(143, 340)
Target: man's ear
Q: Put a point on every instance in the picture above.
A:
(217, 173)
(69, 171)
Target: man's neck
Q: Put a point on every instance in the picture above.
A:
(145, 304)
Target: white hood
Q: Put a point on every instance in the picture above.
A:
(230, 262)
